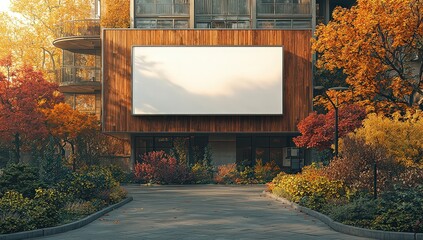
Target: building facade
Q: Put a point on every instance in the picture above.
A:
(200, 24)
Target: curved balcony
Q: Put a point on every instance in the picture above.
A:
(77, 79)
(78, 35)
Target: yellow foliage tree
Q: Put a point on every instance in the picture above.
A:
(28, 33)
(401, 136)
(379, 46)
(115, 14)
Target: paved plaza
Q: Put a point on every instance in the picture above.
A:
(203, 212)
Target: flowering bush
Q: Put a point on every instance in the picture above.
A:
(158, 167)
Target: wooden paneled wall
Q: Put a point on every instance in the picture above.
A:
(297, 85)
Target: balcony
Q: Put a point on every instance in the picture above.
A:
(273, 9)
(77, 79)
(78, 35)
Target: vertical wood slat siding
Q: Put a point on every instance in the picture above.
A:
(297, 83)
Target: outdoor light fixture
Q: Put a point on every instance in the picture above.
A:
(335, 106)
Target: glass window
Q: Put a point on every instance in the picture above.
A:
(85, 102)
(164, 24)
(222, 14)
(161, 7)
(67, 58)
(70, 99)
(276, 154)
(283, 24)
(301, 24)
(181, 24)
(202, 25)
(265, 24)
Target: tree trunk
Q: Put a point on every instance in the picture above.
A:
(73, 157)
(17, 143)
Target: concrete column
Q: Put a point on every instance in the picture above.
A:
(192, 14)
(132, 14)
(253, 11)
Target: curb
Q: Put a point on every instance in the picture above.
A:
(64, 228)
(342, 228)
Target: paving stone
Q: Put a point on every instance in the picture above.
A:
(212, 212)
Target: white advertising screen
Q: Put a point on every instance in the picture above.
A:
(207, 80)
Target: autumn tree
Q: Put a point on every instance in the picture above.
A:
(66, 125)
(30, 31)
(399, 135)
(317, 130)
(379, 46)
(22, 99)
(115, 14)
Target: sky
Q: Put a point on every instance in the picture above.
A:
(4, 5)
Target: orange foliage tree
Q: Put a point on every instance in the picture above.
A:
(115, 14)
(317, 130)
(379, 46)
(66, 125)
(23, 96)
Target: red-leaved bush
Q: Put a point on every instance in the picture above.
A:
(158, 167)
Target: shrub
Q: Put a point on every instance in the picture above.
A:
(360, 212)
(78, 208)
(227, 174)
(355, 166)
(119, 174)
(246, 176)
(90, 184)
(202, 173)
(265, 173)
(20, 178)
(310, 188)
(46, 207)
(158, 167)
(14, 209)
(117, 194)
(399, 210)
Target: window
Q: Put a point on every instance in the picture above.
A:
(78, 67)
(284, 23)
(276, 7)
(160, 23)
(223, 14)
(88, 103)
(161, 7)
(85, 102)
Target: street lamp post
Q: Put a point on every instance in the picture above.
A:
(335, 106)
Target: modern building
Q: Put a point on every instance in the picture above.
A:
(234, 75)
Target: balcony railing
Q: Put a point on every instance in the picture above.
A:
(283, 8)
(79, 75)
(161, 9)
(87, 27)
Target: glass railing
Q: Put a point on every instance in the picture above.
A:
(283, 8)
(79, 75)
(161, 9)
(87, 27)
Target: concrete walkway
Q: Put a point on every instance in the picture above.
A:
(203, 212)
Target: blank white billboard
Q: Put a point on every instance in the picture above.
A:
(210, 80)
